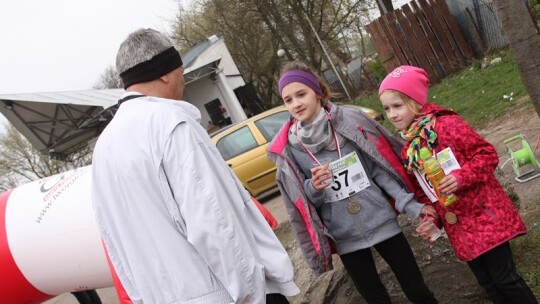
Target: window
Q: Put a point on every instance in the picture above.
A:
(236, 143)
(270, 125)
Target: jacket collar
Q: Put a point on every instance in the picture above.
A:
(435, 109)
(280, 141)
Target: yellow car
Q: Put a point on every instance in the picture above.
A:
(243, 146)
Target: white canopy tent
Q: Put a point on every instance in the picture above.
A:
(60, 123)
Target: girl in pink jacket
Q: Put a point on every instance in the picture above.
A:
(483, 220)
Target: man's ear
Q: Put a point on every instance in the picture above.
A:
(165, 78)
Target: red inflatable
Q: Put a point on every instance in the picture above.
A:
(49, 243)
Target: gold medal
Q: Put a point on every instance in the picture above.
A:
(450, 217)
(353, 206)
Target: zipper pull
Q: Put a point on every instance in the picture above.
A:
(364, 132)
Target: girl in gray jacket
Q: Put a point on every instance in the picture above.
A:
(337, 170)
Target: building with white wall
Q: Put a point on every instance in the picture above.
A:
(59, 123)
(212, 78)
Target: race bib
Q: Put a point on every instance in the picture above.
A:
(349, 178)
(448, 161)
(426, 185)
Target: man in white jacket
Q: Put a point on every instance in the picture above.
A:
(176, 222)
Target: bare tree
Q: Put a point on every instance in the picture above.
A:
(524, 42)
(191, 27)
(255, 29)
(247, 39)
(109, 79)
(363, 17)
(20, 162)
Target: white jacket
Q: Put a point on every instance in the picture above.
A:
(178, 225)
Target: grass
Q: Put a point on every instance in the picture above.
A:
(526, 250)
(477, 95)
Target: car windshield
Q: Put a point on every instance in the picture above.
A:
(236, 143)
(270, 125)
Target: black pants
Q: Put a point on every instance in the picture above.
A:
(496, 272)
(87, 297)
(398, 254)
(276, 298)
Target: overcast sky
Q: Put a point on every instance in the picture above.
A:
(65, 45)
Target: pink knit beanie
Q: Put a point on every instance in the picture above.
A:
(409, 80)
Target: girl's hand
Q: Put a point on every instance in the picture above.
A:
(320, 175)
(448, 185)
(430, 211)
(425, 229)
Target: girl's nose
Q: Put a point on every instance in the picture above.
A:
(389, 113)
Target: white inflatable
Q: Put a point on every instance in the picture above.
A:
(49, 243)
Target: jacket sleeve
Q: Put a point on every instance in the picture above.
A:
(212, 213)
(121, 292)
(270, 219)
(315, 197)
(404, 199)
(477, 157)
(308, 231)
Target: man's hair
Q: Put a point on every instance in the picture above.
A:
(140, 46)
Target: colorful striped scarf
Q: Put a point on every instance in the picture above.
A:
(421, 129)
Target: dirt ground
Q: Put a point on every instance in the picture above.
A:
(521, 121)
(458, 286)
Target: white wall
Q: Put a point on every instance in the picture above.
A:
(219, 50)
(216, 51)
(201, 92)
(3, 121)
(205, 90)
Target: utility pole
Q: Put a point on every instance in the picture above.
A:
(382, 7)
(327, 56)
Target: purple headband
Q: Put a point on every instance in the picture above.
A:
(303, 77)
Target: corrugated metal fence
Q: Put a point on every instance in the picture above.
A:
(333, 82)
(440, 36)
(353, 73)
(479, 24)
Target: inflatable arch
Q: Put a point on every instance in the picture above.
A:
(49, 242)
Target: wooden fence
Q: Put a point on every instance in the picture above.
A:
(422, 33)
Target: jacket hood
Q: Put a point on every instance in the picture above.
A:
(280, 140)
(432, 108)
